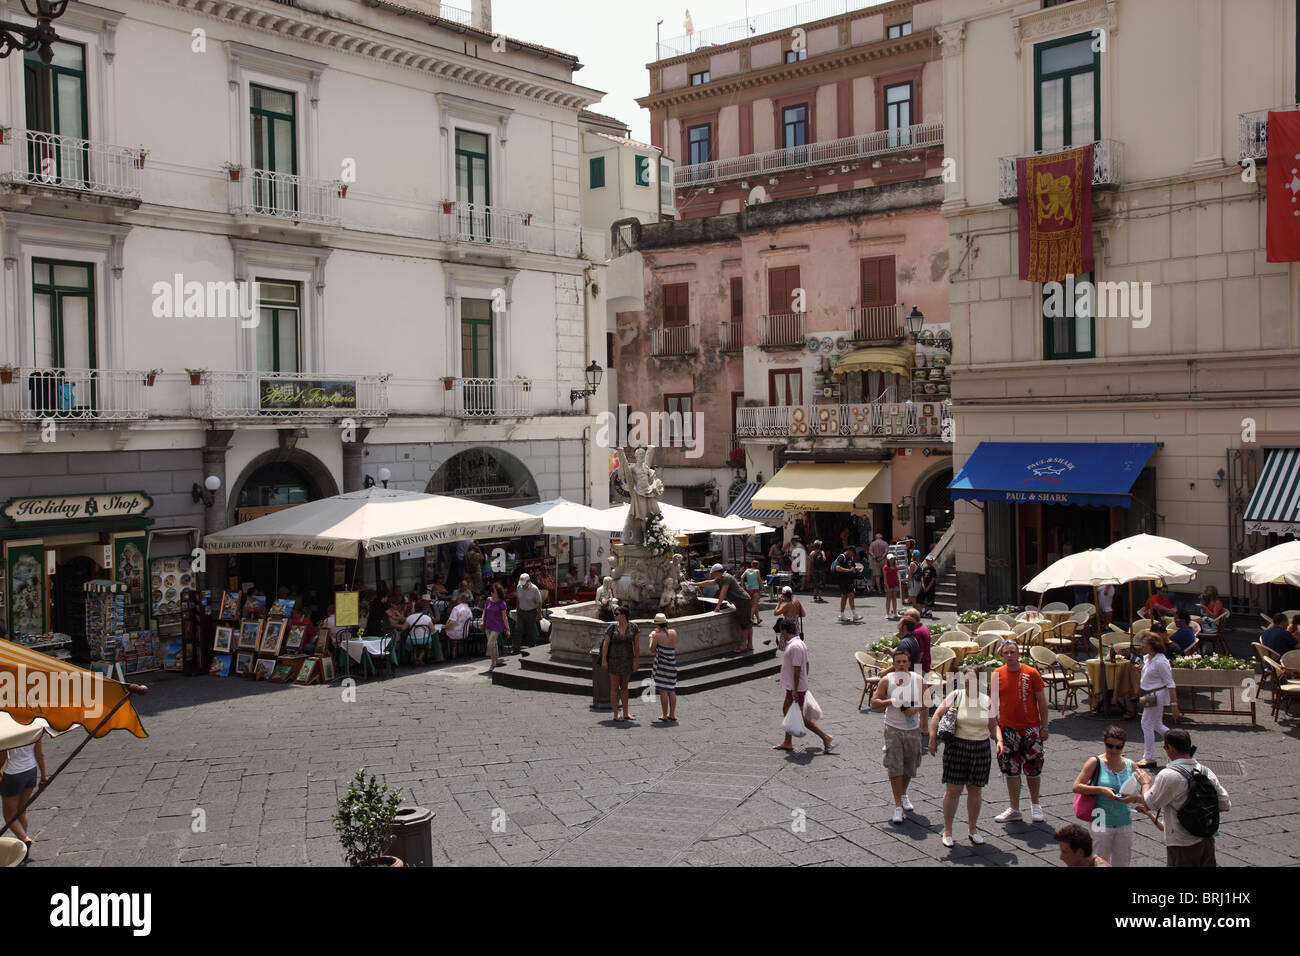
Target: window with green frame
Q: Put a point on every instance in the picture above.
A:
(642, 170)
(279, 326)
(1069, 319)
(273, 149)
(1067, 93)
(55, 101)
(63, 327)
(596, 172)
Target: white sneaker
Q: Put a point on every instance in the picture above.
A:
(898, 815)
(841, 617)
(1036, 813)
(907, 804)
(857, 616)
(1009, 815)
(948, 840)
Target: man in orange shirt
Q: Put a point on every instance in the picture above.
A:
(1158, 605)
(1022, 729)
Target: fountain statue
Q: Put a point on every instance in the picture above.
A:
(644, 488)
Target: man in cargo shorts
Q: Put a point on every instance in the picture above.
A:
(1022, 730)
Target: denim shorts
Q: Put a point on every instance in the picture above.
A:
(12, 784)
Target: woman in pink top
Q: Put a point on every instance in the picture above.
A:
(891, 589)
(496, 621)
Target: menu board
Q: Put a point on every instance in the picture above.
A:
(168, 577)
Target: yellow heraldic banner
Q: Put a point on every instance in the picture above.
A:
(35, 686)
(824, 486)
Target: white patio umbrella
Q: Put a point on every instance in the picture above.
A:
(1277, 565)
(370, 523)
(563, 517)
(685, 521)
(1144, 546)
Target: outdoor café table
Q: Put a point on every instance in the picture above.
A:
(1056, 617)
(1119, 679)
(994, 632)
(1030, 617)
(374, 645)
(961, 648)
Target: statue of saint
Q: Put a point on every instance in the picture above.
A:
(644, 488)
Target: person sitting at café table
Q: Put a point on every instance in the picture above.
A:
(1210, 607)
(1158, 605)
(1279, 638)
(592, 580)
(1183, 636)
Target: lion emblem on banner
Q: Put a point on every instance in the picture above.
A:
(1054, 199)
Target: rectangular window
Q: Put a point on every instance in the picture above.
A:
(794, 125)
(665, 186)
(878, 281)
(273, 147)
(473, 189)
(476, 358)
(794, 56)
(781, 285)
(785, 386)
(1068, 333)
(699, 144)
(737, 298)
(63, 327)
(279, 326)
(55, 98)
(642, 170)
(596, 172)
(678, 426)
(1067, 93)
(699, 78)
(677, 312)
(609, 350)
(898, 113)
(900, 30)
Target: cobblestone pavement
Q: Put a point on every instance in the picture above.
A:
(266, 764)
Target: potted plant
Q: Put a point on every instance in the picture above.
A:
(447, 204)
(342, 188)
(595, 288)
(364, 821)
(1212, 670)
(972, 617)
(527, 383)
(4, 134)
(233, 170)
(528, 219)
(196, 375)
(150, 375)
(448, 381)
(140, 154)
(6, 374)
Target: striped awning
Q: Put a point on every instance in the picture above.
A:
(1275, 506)
(742, 508)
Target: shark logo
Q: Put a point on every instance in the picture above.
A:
(1049, 469)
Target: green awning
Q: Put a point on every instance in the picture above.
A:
(1275, 506)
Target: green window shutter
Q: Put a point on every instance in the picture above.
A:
(596, 175)
(642, 170)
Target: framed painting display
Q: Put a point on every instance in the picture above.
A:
(283, 607)
(272, 638)
(229, 606)
(250, 632)
(327, 669)
(220, 665)
(309, 672)
(294, 636)
(283, 673)
(322, 642)
(264, 668)
(244, 663)
(225, 638)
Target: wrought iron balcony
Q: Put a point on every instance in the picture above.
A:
(732, 336)
(673, 340)
(849, 149)
(490, 398)
(781, 331)
(47, 160)
(876, 323)
(289, 395)
(1252, 133)
(899, 421)
(74, 394)
(261, 192)
(1107, 168)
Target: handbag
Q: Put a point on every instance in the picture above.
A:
(948, 722)
(1085, 804)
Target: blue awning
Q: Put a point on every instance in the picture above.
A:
(1065, 473)
(741, 507)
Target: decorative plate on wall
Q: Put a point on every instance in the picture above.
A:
(813, 343)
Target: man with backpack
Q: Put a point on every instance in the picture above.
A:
(1193, 797)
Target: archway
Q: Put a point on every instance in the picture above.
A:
(934, 511)
(485, 474)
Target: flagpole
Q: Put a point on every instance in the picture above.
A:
(90, 735)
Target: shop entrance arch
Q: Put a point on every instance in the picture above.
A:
(934, 508)
(489, 475)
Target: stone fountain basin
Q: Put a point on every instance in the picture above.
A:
(576, 631)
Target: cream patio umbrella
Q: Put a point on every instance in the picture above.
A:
(563, 517)
(1277, 565)
(1147, 548)
(685, 521)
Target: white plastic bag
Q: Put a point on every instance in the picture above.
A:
(811, 709)
(793, 723)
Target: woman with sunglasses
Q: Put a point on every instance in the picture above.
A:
(1103, 777)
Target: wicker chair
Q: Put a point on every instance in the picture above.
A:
(1267, 676)
(870, 669)
(1284, 691)
(1076, 679)
(1216, 637)
(1061, 640)
(941, 659)
(1050, 670)
(992, 624)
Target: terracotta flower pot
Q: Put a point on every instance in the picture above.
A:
(343, 192)
(6, 378)
(196, 379)
(139, 162)
(446, 207)
(382, 861)
(148, 381)
(234, 174)
(447, 384)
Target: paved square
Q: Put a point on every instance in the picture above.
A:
(266, 763)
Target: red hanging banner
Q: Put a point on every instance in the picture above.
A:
(1283, 229)
(1055, 214)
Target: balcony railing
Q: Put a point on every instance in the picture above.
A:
(1252, 133)
(875, 323)
(261, 192)
(732, 336)
(447, 12)
(486, 225)
(64, 162)
(930, 421)
(1107, 167)
(490, 398)
(289, 395)
(735, 451)
(74, 394)
(781, 331)
(846, 150)
(674, 340)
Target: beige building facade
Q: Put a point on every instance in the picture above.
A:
(1170, 94)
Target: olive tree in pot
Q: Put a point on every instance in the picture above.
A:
(364, 821)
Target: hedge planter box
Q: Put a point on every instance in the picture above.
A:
(1204, 677)
(1199, 683)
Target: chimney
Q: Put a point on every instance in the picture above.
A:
(481, 15)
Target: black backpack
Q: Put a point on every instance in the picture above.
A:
(1199, 816)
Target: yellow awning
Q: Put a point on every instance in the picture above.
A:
(821, 486)
(896, 360)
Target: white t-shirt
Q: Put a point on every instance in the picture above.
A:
(903, 696)
(460, 617)
(420, 619)
(1106, 597)
(20, 759)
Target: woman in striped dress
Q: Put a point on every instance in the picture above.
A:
(663, 645)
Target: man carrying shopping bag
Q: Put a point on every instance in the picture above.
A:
(794, 681)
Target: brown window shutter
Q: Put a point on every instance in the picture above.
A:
(878, 281)
(737, 299)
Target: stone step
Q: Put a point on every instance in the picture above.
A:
(560, 678)
(538, 660)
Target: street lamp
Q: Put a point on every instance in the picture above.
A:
(211, 484)
(915, 320)
(16, 36)
(593, 374)
(384, 475)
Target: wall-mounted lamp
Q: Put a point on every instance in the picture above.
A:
(207, 493)
(384, 475)
(593, 373)
(1218, 478)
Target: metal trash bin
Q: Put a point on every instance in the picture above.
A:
(599, 682)
(413, 836)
